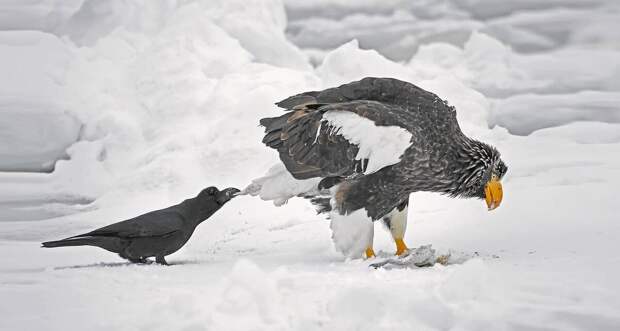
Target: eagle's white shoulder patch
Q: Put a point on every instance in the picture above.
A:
(381, 145)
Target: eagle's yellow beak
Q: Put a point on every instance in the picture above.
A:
(493, 193)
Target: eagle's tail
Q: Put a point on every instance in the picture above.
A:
(278, 185)
(322, 204)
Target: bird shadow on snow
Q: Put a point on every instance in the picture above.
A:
(126, 264)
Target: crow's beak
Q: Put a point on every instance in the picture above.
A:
(493, 193)
(226, 195)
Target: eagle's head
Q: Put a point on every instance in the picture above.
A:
(484, 172)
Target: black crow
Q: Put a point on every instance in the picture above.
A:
(157, 233)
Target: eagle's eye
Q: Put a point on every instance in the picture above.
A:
(500, 169)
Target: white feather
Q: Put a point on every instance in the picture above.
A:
(352, 233)
(279, 185)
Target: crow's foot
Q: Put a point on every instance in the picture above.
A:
(161, 260)
(141, 260)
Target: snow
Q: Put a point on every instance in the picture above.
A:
(34, 118)
(551, 110)
(114, 108)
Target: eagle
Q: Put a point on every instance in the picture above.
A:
(359, 150)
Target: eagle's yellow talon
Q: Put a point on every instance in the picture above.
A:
(400, 246)
(370, 252)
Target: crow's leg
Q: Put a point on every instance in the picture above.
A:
(133, 259)
(161, 260)
(138, 260)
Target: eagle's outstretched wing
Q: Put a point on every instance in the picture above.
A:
(385, 90)
(339, 139)
(310, 146)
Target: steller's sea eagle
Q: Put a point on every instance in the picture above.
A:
(358, 151)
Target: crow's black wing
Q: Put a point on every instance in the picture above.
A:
(153, 224)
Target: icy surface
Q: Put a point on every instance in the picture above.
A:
(136, 105)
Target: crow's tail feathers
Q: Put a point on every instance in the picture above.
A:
(72, 241)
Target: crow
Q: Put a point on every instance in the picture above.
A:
(157, 233)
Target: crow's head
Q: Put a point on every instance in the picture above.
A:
(210, 200)
(225, 195)
(220, 197)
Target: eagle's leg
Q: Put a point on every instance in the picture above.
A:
(370, 253)
(396, 222)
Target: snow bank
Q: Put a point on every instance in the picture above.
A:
(152, 99)
(493, 68)
(33, 66)
(582, 132)
(398, 28)
(45, 15)
(349, 63)
(163, 94)
(523, 114)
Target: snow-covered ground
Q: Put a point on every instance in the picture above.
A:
(112, 108)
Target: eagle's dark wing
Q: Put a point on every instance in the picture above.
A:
(386, 90)
(431, 118)
(311, 146)
(154, 224)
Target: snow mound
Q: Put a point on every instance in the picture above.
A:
(526, 113)
(349, 63)
(399, 28)
(33, 65)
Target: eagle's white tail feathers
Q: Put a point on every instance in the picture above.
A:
(278, 185)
